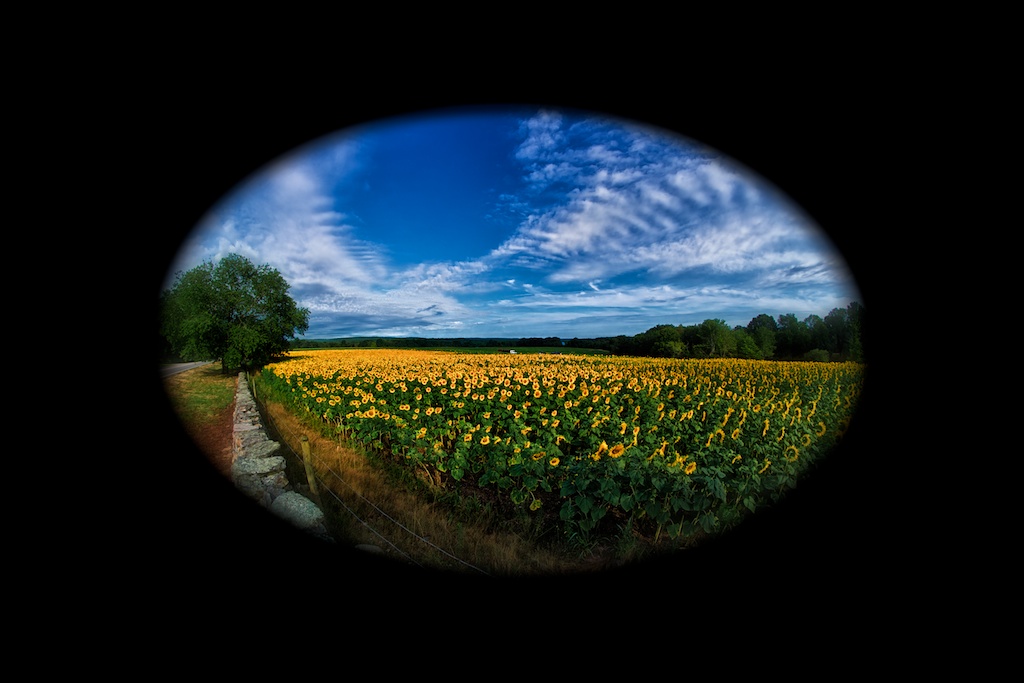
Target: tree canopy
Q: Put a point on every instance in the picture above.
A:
(235, 312)
(837, 336)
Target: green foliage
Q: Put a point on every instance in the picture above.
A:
(746, 345)
(669, 448)
(817, 355)
(234, 311)
(716, 339)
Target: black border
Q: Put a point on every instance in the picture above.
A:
(221, 550)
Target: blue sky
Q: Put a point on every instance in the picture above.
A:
(521, 223)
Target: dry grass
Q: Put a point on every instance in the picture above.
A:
(405, 509)
(203, 399)
(423, 521)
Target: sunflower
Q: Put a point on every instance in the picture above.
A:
(728, 415)
(616, 450)
(691, 468)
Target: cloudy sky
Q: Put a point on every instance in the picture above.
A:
(521, 223)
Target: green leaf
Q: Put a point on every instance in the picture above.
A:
(565, 514)
(708, 521)
(718, 489)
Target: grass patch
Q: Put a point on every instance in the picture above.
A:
(200, 396)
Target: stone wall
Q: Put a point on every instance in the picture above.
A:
(258, 468)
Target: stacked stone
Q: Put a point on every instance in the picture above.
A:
(258, 470)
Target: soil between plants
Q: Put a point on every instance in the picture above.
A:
(215, 439)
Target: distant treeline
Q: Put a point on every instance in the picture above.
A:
(426, 342)
(836, 337)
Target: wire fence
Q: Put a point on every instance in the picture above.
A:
(318, 485)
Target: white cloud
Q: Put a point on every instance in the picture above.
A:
(285, 218)
(542, 135)
(441, 277)
(609, 226)
(656, 208)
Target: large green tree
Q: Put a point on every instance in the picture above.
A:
(235, 312)
(716, 339)
(763, 329)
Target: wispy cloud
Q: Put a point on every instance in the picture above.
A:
(596, 228)
(634, 203)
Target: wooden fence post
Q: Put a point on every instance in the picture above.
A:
(307, 459)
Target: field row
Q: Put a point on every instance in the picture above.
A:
(667, 443)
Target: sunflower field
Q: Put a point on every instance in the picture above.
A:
(671, 445)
